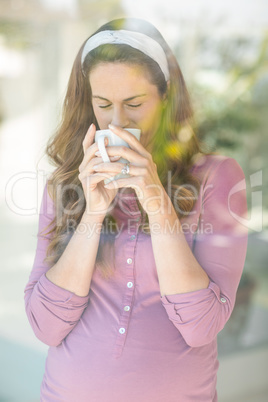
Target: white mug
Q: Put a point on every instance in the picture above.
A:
(113, 140)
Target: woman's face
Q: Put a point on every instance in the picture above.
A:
(123, 96)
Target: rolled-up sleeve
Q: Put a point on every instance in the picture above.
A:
(220, 248)
(52, 311)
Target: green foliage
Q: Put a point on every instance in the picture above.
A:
(225, 116)
(231, 102)
(18, 34)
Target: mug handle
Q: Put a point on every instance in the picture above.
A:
(102, 149)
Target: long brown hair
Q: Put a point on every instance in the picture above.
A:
(174, 144)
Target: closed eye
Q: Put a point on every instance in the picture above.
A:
(106, 106)
(134, 105)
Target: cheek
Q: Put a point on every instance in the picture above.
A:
(100, 116)
(151, 118)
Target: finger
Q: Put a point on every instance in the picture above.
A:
(95, 178)
(117, 168)
(89, 137)
(89, 166)
(126, 153)
(89, 153)
(133, 142)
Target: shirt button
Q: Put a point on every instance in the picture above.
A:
(126, 308)
(129, 260)
(129, 284)
(133, 237)
(223, 300)
(122, 330)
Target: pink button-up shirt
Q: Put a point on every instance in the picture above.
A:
(126, 343)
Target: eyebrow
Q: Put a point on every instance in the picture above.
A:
(124, 100)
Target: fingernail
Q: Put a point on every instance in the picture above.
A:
(115, 157)
(98, 153)
(111, 126)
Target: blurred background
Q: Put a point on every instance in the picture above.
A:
(222, 48)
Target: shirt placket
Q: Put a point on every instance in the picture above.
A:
(130, 234)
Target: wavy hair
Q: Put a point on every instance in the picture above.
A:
(174, 145)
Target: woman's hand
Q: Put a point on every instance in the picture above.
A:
(144, 178)
(98, 198)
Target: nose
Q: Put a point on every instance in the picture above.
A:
(119, 117)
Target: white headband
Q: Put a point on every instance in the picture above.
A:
(136, 40)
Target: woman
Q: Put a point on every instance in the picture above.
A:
(132, 281)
